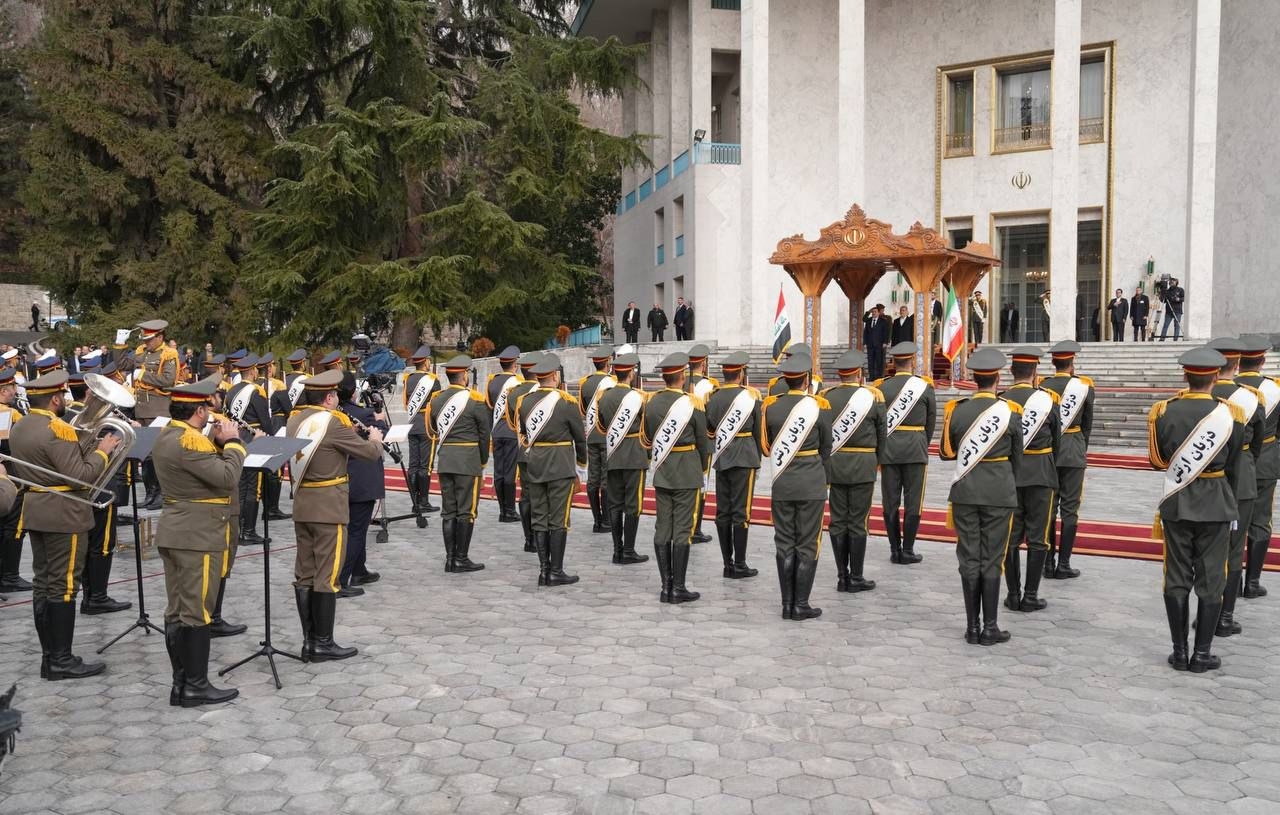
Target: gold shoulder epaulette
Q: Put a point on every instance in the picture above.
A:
(63, 430)
(1237, 412)
(1053, 395)
(1088, 380)
(876, 392)
(477, 396)
(196, 442)
(928, 380)
(698, 404)
(822, 402)
(773, 382)
(1157, 410)
(876, 383)
(754, 391)
(341, 417)
(951, 406)
(1014, 406)
(770, 399)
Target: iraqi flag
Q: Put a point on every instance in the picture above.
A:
(952, 327)
(781, 328)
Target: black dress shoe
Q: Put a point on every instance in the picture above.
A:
(251, 539)
(1032, 603)
(14, 583)
(365, 579)
(991, 634)
(277, 515)
(1065, 572)
(219, 627)
(1013, 602)
(857, 584)
(350, 591)
(103, 605)
(700, 537)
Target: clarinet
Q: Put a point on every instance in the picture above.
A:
(362, 430)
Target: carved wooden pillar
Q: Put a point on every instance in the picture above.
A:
(812, 278)
(924, 274)
(856, 283)
(964, 275)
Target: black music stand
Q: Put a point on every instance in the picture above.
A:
(145, 439)
(264, 455)
(385, 521)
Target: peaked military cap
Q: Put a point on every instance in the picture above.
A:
(1202, 360)
(529, 359)
(324, 381)
(237, 354)
(674, 363)
(423, 352)
(461, 362)
(10, 354)
(1065, 349)
(1229, 347)
(215, 361)
(331, 358)
(903, 349)
(246, 362)
(353, 355)
(53, 382)
(986, 360)
(699, 352)
(1255, 345)
(92, 359)
(626, 362)
(267, 358)
(48, 362)
(549, 364)
(602, 352)
(197, 391)
(735, 361)
(797, 349)
(507, 354)
(1026, 353)
(7, 375)
(152, 327)
(798, 365)
(108, 369)
(75, 378)
(298, 355)
(850, 361)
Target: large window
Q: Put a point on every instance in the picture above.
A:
(1093, 83)
(960, 115)
(1089, 308)
(1023, 280)
(1022, 108)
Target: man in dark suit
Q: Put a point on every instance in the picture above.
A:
(903, 328)
(1013, 322)
(1139, 308)
(935, 313)
(631, 323)
(875, 336)
(683, 320)
(1004, 322)
(1118, 310)
(367, 488)
(657, 322)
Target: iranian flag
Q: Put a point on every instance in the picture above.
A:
(952, 327)
(781, 328)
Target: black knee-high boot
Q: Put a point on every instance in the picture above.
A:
(1227, 625)
(840, 552)
(1013, 578)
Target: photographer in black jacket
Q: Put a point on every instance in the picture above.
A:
(1173, 296)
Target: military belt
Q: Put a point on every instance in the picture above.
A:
(1072, 430)
(684, 448)
(1214, 474)
(1039, 451)
(745, 435)
(56, 488)
(996, 459)
(553, 444)
(1269, 440)
(461, 443)
(327, 482)
(856, 450)
(220, 501)
(918, 427)
(806, 453)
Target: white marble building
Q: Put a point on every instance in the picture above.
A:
(1081, 138)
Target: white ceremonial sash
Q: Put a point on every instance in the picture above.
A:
(1270, 393)
(670, 428)
(800, 422)
(703, 388)
(1035, 412)
(904, 402)
(851, 416)
(1193, 455)
(540, 416)
(593, 409)
(982, 435)
(500, 404)
(418, 399)
(1247, 400)
(240, 402)
(628, 410)
(296, 388)
(450, 413)
(740, 410)
(1072, 402)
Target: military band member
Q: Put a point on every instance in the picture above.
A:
(1252, 358)
(1197, 439)
(982, 434)
(526, 363)
(701, 386)
(199, 476)
(674, 428)
(280, 406)
(48, 363)
(1037, 480)
(857, 439)
(797, 439)
(297, 360)
(368, 486)
(733, 425)
(59, 527)
(331, 361)
(626, 460)
(1075, 404)
(590, 388)
(247, 402)
(910, 408)
(1245, 482)
(505, 445)
(320, 511)
(11, 579)
(419, 388)
(219, 627)
(459, 424)
(157, 373)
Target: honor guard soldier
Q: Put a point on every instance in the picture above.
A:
(157, 373)
(982, 434)
(797, 439)
(778, 385)
(320, 513)
(701, 386)
(857, 440)
(1244, 484)
(590, 388)
(552, 434)
(674, 428)
(526, 363)
(331, 361)
(505, 445)
(297, 360)
(910, 408)
(199, 476)
(626, 460)
(247, 403)
(733, 424)
(1037, 479)
(1252, 358)
(59, 526)
(368, 487)
(280, 406)
(1075, 406)
(1197, 439)
(10, 532)
(458, 423)
(48, 363)
(102, 537)
(419, 388)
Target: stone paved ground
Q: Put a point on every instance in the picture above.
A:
(483, 694)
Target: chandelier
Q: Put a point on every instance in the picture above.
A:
(1036, 275)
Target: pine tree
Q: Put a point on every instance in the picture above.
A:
(143, 166)
(16, 116)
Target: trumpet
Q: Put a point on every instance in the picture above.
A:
(104, 398)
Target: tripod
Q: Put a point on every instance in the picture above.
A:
(385, 521)
(146, 439)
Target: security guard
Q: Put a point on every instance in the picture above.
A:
(247, 402)
(1198, 440)
(199, 476)
(858, 439)
(1252, 358)
(797, 439)
(526, 363)
(505, 445)
(419, 388)
(1037, 479)
(910, 408)
(10, 534)
(552, 434)
(157, 365)
(674, 428)
(320, 513)
(983, 435)
(458, 423)
(1075, 404)
(590, 388)
(1245, 483)
(59, 527)
(625, 459)
(701, 386)
(733, 425)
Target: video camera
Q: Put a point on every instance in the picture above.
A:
(1162, 285)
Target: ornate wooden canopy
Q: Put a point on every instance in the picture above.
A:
(856, 252)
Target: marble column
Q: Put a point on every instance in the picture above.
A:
(1065, 196)
(852, 102)
(699, 67)
(660, 85)
(678, 48)
(759, 234)
(1197, 314)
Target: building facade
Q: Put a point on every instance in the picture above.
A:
(1095, 145)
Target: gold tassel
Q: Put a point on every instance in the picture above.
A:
(951, 519)
(196, 442)
(1157, 529)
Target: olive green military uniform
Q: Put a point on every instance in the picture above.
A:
(1071, 459)
(525, 505)
(422, 446)
(678, 483)
(904, 464)
(460, 460)
(1037, 479)
(159, 373)
(556, 456)
(1245, 482)
(736, 470)
(588, 387)
(853, 482)
(624, 474)
(1267, 471)
(505, 445)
